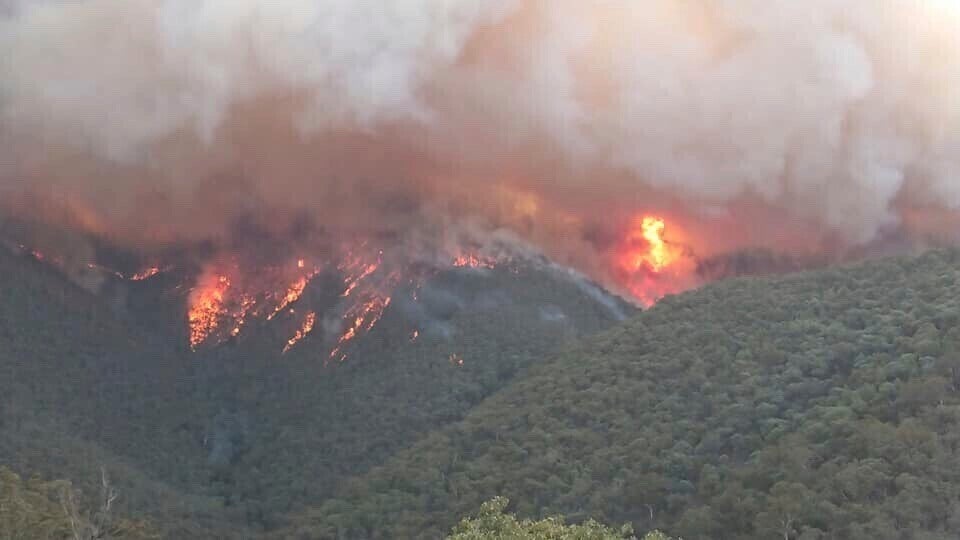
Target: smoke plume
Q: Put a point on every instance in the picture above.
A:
(805, 127)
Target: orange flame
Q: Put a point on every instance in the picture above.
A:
(657, 255)
(292, 295)
(219, 306)
(206, 308)
(363, 316)
(240, 316)
(371, 296)
(353, 281)
(302, 332)
(219, 300)
(473, 261)
(145, 274)
(648, 262)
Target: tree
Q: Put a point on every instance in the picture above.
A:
(493, 523)
(99, 524)
(786, 507)
(36, 509)
(27, 509)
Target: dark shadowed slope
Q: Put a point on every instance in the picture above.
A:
(820, 405)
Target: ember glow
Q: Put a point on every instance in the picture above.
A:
(239, 316)
(292, 295)
(94, 266)
(362, 317)
(140, 275)
(474, 261)
(146, 273)
(302, 332)
(356, 270)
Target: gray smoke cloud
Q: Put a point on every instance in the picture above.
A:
(751, 122)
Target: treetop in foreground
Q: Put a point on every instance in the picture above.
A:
(492, 522)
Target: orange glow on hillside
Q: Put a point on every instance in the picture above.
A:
(146, 273)
(473, 261)
(305, 329)
(227, 297)
(361, 317)
(292, 295)
(206, 308)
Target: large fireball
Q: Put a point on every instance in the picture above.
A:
(648, 264)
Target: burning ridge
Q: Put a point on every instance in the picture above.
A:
(219, 306)
(259, 277)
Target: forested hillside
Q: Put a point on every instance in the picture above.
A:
(819, 405)
(226, 440)
(295, 427)
(83, 388)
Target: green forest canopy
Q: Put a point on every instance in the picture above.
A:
(819, 405)
(493, 523)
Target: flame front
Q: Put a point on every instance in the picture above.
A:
(292, 295)
(218, 300)
(305, 329)
(357, 270)
(207, 308)
(361, 317)
(232, 291)
(368, 289)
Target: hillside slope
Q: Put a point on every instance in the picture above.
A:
(303, 424)
(819, 405)
(82, 389)
(228, 439)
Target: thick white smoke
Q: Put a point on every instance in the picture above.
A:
(122, 75)
(838, 117)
